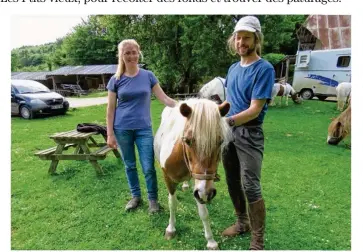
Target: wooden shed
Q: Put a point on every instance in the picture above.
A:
(320, 32)
(89, 77)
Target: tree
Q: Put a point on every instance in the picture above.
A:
(15, 62)
(87, 45)
(183, 51)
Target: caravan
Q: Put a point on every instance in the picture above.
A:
(318, 73)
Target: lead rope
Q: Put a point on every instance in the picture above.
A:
(224, 90)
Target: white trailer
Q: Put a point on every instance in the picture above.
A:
(318, 73)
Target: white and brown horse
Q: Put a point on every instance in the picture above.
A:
(214, 90)
(340, 127)
(343, 95)
(188, 145)
(284, 90)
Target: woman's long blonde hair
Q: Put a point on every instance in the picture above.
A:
(121, 64)
(258, 43)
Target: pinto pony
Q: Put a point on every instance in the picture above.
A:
(187, 145)
(213, 90)
(343, 95)
(284, 90)
(339, 128)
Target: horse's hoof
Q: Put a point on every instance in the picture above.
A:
(169, 235)
(185, 188)
(212, 246)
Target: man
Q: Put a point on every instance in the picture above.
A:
(249, 84)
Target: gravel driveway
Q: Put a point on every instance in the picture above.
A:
(85, 102)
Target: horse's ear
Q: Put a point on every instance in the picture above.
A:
(224, 108)
(185, 110)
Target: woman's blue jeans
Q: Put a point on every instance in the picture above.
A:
(144, 140)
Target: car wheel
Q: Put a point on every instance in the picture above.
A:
(307, 94)
(322, 98)
(25, 112)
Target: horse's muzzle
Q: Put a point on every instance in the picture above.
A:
(209, 196)
(334, 140)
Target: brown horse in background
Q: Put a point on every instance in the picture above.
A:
(340, 127)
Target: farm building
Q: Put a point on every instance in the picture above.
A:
(321, 32)
(88, 78)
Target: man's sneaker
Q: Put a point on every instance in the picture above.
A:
(154, 206)
(133, 203)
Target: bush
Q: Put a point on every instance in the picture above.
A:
(274, 58)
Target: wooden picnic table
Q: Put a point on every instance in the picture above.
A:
(82, 142)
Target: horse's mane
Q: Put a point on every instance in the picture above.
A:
(207, 126)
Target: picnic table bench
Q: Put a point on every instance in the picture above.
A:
(82, 142)
(74, 88)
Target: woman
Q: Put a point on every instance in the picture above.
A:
(249, 84)
(129, 120)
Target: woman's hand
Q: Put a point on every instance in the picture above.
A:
(166, 100)
(111, 142)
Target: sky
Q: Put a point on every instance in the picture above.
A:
(37, 30)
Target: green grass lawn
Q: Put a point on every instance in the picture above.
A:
(306, 186)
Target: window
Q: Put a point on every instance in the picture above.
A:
(303, 59)
(343, 61)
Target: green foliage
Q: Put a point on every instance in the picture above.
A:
(273, 58)
(182, 50)
(306, 185)
(15, 61)
(87, 46)
(279, 35)
(32, 58)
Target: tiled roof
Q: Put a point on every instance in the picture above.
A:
(68, 70)
(333, 31)
(29, 75)
(84, 70)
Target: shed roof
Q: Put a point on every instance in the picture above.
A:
(86, 70)
(333, 31)
(29, 75)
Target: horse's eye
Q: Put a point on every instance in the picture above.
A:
(187, 141)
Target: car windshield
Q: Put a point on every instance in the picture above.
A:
(29, 87)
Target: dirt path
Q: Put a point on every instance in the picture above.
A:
(85, 102)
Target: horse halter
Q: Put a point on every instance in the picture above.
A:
(205, 176)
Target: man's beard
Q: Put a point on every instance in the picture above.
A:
(249, 51)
